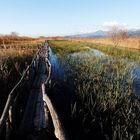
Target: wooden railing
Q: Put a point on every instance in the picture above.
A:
(6, 117)
(11, 96)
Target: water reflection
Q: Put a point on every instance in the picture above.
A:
(57, 69)
(136, 82)
(88, 54)
(59, 73)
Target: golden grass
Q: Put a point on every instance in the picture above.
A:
(19, 47)
(16, 52)
(8, 42)
(131, 42)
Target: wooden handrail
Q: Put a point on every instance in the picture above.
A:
(12, 93)
(59, 131)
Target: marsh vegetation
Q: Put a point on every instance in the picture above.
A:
(15, 55)
(91, 83)
(104, 105)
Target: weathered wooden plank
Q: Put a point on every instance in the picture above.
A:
(34, 115)
(59, 130)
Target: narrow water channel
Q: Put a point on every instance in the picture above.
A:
(61, 92)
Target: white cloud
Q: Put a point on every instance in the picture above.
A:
(110, 24)
(85, 29)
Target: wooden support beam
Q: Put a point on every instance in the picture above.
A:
(59, 130)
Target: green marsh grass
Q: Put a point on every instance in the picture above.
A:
(118, 52)
(105, 106)
(65, 47)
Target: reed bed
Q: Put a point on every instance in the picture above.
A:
(13, 62)
(67, 46)
(64, 47)
(131, 55)
(128, 43)
(11, 70)
(104, 106)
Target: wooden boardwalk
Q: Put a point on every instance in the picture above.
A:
(29, 113)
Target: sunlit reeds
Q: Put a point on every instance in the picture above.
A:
(105, 106)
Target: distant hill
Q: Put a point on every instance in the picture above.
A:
(134, 32)
(101, 33)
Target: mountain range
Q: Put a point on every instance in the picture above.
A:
(101, 33)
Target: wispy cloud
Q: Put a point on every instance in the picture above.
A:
(110, 24)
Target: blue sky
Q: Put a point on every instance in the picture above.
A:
(60, 17)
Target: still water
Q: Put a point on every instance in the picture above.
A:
(58, 72)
